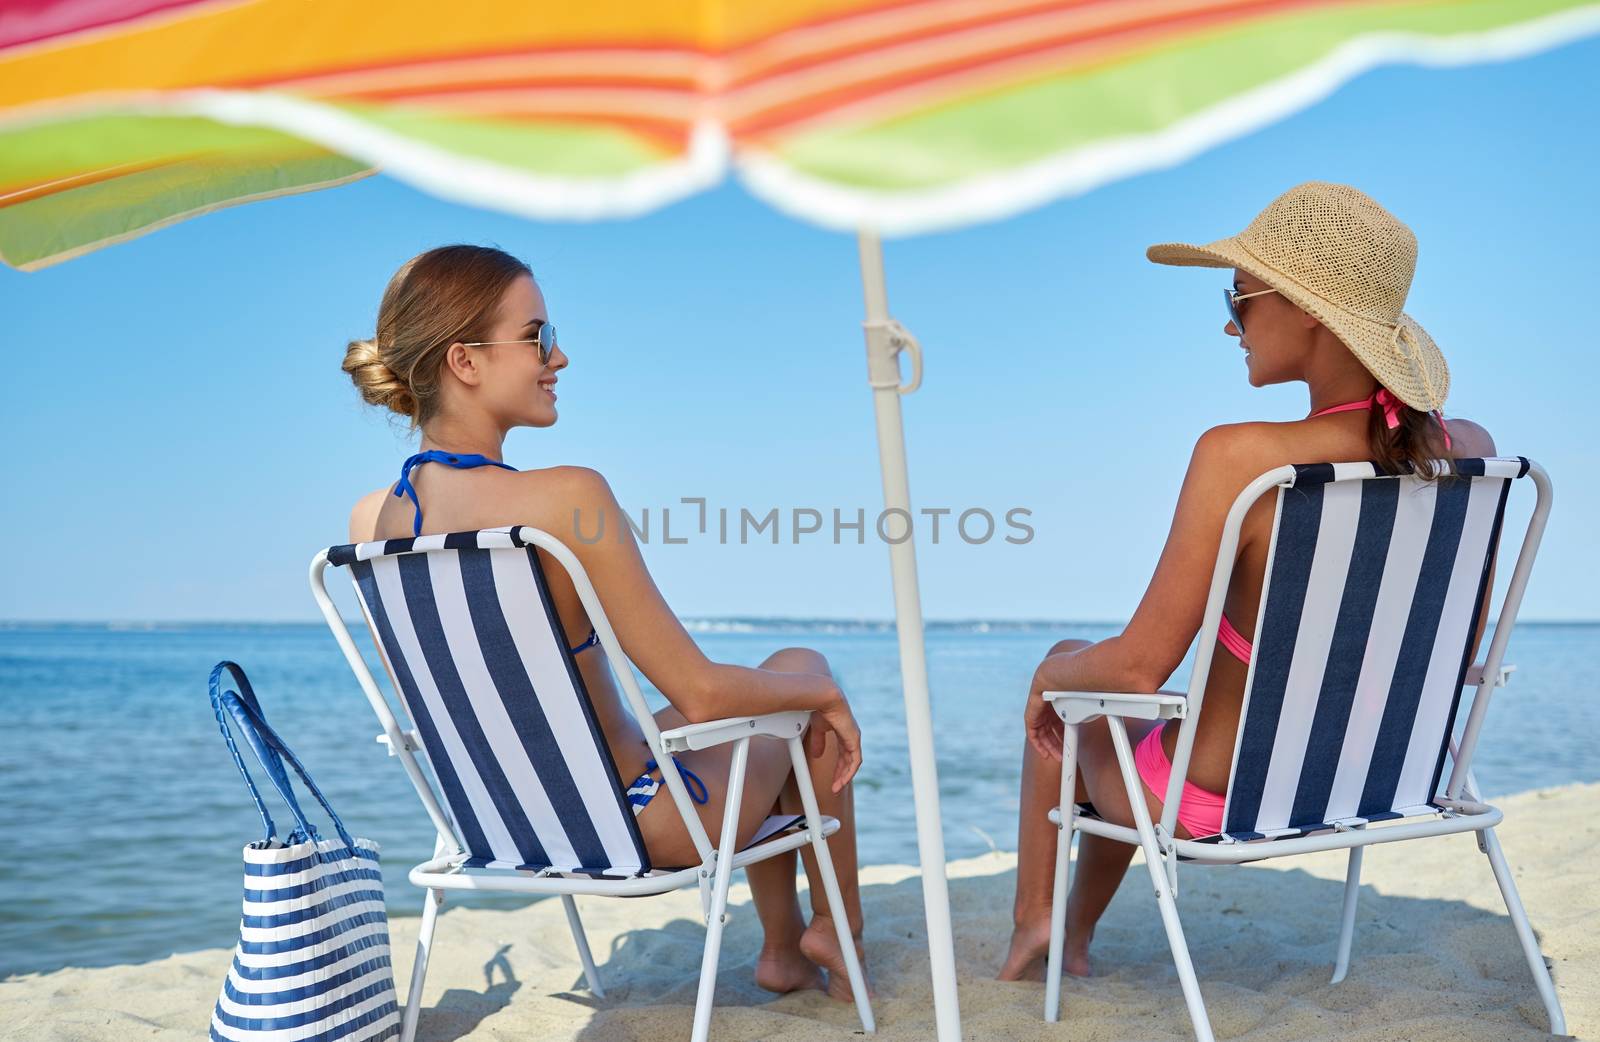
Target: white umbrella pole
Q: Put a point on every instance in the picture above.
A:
(885, 339)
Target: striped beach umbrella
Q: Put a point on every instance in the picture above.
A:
(118, 117)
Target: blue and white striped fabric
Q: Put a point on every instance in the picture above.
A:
(1374, 588)
(313, 957)
(312, 963)
(469, 633)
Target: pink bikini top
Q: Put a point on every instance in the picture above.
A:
(1227, 634)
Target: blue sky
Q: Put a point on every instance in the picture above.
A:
(180, 439)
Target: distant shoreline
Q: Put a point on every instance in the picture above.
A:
(706, 624)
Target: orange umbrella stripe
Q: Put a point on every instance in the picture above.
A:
(801, 45)
(289, 38)
(10, 195)
(597, 103)
(955, 72)
(665, 68)
(669, 138)
(958, 65)
(947, 62)
(668, 67)
(970, 30)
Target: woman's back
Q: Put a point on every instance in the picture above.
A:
(1253, 449)
(454, 500)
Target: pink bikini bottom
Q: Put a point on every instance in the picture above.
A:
(1199, 810)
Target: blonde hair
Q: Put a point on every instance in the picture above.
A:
(437, 298)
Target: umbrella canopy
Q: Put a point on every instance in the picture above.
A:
(120, 116)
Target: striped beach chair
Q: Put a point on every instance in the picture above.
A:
(1374, 589)
(529, 800)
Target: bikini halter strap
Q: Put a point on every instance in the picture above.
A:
(1390, 405)
(459, 460)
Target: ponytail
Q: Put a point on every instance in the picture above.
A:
(1414, 445)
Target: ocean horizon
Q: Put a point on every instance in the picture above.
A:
(700, 624)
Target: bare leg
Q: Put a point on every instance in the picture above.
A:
(1036, 857)
(781, 967)
(820, 941)
(1101, 862)
(791, 952)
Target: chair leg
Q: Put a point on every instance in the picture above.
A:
(590, 972)
(431, 901)
(830, 886)
(1153, 859)
(717, 913)
(1347, 920)
(1530, 943)
(1058, 895)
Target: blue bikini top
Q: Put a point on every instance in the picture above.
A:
(461, 461)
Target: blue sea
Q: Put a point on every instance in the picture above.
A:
(124, 815)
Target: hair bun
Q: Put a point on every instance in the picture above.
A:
(378, 384)
(442, 296)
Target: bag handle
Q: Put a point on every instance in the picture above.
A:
(268, 758)
(245, 710)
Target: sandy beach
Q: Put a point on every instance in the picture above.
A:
(1435, 958)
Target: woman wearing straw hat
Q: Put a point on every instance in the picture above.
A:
(1319, 280)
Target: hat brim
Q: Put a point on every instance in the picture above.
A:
(1422, 382)
(1224, 253)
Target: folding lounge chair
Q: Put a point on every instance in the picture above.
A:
(1374, 589)
(532, 802)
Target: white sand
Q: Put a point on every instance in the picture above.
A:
(1435, 958)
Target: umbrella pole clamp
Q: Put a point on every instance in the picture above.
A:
(886, 338)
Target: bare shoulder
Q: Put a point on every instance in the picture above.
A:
(564, 484)
(1239, 440)
(1232, 453)
(559, 499)
(1469, 439)
(572, 503)
(364, 518)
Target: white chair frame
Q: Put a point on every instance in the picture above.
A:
(1462, 809)
(446, 871)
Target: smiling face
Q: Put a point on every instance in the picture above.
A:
(1278, 336)
(507, 380)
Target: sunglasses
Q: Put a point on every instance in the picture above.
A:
(545, 338)
(1231, 298)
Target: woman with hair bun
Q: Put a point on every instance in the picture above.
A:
(466, 352)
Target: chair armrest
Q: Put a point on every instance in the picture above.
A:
(1075, 707)
(791, 724)
(412, 740)
(1475, 675)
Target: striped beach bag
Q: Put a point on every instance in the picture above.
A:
(312, 964)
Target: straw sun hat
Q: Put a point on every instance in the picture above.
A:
(1347, 262)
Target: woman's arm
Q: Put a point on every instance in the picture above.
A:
(656, 641)
(1145, 653)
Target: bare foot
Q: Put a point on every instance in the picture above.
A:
(1030, 952)
(787, 969)
(820, 944)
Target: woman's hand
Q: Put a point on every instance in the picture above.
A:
(838, 718)
(1045, 729)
